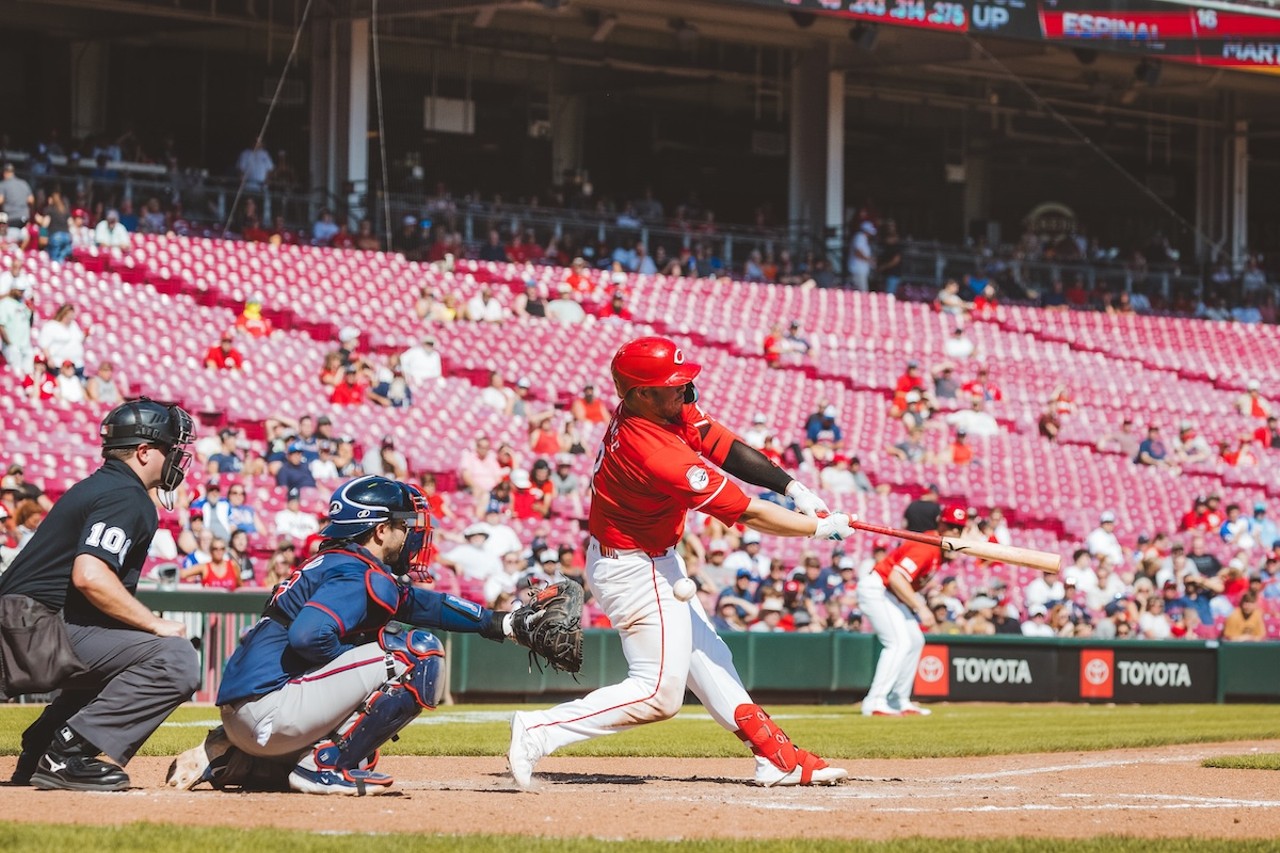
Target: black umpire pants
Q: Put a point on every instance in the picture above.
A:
(134, 682)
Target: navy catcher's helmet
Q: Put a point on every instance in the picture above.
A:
(362, 504)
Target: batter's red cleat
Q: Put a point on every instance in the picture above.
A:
(914, 710)
(783, 764)
(880, 711)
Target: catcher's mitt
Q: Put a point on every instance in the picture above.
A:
(550, 626)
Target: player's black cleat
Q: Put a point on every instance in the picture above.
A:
(71, 764)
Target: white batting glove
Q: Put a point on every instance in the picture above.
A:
(834, 526)
(807, 503)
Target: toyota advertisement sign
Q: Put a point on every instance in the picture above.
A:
(1055, 671)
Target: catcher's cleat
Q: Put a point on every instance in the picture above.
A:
(200, 763)
(316, 774)
(523, 753)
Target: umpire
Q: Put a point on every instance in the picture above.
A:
(85, 559)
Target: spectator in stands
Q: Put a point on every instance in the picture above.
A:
(493, 250)
(950, 301)
(255, 166)
(353, 390)
(234, 514)
(1245, 622)
(471, 560)
(331, 371)
(408, 240)
(385, 460)
(484, 307)
(945, 385)
(217, 572)
(421, 363)
(1049, 425)
(1153, 451)
(62, 339)
(1037, 624)
(292, 522)
(282, 565)
(773, 347)
(840, 478)
(975, 420)
(16, 199)
(1238, 453)
(392, 391)
(959, 452)
(822, 425)
(531, 303)
(544, 440)
(228, 459)
(1237, 530)
(911, 448)
(861, 256)
(82, 236)
(294, 473)
(1264, 529)
(324, 229)
(238, 556)
(1102, 541)
(1206, 564)
(1268, 436)
(70, 386)
(16, 317)
(959, 346)
(111, 233)
(325, 466)
(104, 387)
(1190, 447)
(982, 387)
(55, 222)
(1251, 404)
(1123, 440)
(10, 239)
(479, 469)
(251, 322)
(40, 386)
(224, 356)
(589, 408)
(497, 395)
(564, 308)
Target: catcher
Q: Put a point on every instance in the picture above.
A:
(329, 674)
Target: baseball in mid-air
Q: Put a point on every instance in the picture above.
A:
(684, 589)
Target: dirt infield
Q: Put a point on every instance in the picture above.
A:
(1154, 792)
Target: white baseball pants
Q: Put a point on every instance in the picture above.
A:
(668, 644)
(902, 639)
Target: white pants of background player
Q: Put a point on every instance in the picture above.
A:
(287, 723)
(902, 642)
(668, 644)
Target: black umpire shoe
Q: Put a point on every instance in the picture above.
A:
(72, 764)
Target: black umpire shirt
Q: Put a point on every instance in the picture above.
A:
(109, 515)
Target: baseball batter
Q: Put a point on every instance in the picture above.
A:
(888, 596)
(661, 456)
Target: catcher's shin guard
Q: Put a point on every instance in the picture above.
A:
(793, 766)
(393, 705)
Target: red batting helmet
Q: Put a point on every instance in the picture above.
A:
(650, 361)
(954, 516)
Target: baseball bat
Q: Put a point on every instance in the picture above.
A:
(994, 551)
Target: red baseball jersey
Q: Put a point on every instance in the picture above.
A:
(917, 559)
(649, 475)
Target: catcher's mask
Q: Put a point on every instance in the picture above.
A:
(415, 555)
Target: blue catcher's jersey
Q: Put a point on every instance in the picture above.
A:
(336, 601)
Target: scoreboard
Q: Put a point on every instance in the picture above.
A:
(1220, 35)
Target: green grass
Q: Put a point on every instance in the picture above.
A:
(37, 838)
(1260, 761)
(831, 731)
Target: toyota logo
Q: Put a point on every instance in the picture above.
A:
(1097, 672)
(931, 669)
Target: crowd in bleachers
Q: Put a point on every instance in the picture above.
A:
(485, 381)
